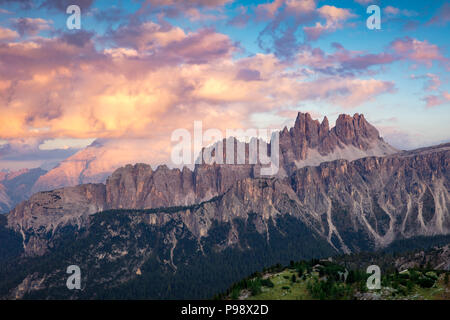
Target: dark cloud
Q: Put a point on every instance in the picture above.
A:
(411, 25)
(9, 153)
(248, 75)
(24, 4)
(361, 62)
(30, 26)
(169, 44)
(110, 15)
(77, 38)
(281, 33)
(293, 24)
(342, 62)
(174, 8)
(67, 50)
(202, 47)
(62, 5)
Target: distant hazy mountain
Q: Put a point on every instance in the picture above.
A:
(96, 162)
(16, 186)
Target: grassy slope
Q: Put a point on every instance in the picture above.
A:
(285, 289)
(296, 291)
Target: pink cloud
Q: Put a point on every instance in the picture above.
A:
(333, 16)
(301, 7)
(7, 34)
(433, 83)
(173, 43)
(3, 11)
(393, 11)
(342, 60)
(268, 10)
(346, 92)
(418, 51)
(195, 14)
(173, 8)
(202, 46)
(149, 84)
(437, 100)
(31, 26)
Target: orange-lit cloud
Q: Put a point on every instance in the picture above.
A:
(8, 34)
(334, 18)
(60, 88)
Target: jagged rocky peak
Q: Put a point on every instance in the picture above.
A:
(310, 142)
(348, 130)
(354, 130)
(304, 124)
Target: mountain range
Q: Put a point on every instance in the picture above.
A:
(307, 143)
(339, 190)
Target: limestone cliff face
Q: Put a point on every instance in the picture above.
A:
(354, 205)
(141, 187)
(361, 205)
(383, 198)
(46, 212)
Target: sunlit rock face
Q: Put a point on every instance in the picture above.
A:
(354, 205)
(308, 142)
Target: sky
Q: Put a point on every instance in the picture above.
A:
(138, 70)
